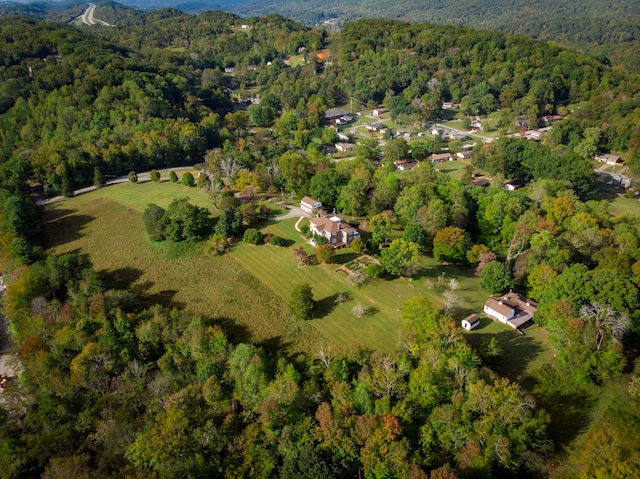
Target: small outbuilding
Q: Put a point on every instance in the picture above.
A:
(470, 322)
(309, 205)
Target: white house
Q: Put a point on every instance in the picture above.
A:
(512, 309)
(379, 111)
(607, 158)
(512, 185)
(345, 146)
(337, 233)
(309, 205)
(470, 322)
(373, 126)
(465, 155)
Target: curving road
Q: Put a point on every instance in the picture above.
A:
(88, 18)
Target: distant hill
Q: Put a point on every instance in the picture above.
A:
(607, 30)
(55, 11)
(598, 27)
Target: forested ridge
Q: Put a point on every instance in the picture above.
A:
(110, 388)
(595, 27)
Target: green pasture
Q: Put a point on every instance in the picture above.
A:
(113, 237)
(139, 195)
(247, 289)
(618, 204)
(521, 353)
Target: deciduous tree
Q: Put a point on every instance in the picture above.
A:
(301, 304)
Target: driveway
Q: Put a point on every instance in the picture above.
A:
(293, 212)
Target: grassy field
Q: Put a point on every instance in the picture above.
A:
(138, 196)
(522, 354)
(618, 203)
(112, 235)
(247, 289)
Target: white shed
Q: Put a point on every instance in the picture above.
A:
(470, 322)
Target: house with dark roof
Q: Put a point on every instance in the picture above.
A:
(337, 233)
(470, 322)
(440, 157)
(332, 114)
(404, 165)
(512, 309)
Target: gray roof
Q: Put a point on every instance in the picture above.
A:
(334, 113)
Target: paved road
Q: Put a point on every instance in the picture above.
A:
(142, 177)
(88, 18)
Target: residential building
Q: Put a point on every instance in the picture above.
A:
(309, 205)
(512, 309)
(337, 233)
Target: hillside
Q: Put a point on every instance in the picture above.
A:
(606, 30)
(191, 327)
(593, 26)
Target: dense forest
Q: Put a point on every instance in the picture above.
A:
(601, 29)
(608, 31)
(111, 388)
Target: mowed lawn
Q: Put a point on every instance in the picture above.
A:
(382, 328)
(138, 196)
(247, 289)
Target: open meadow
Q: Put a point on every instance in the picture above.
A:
(247, 289)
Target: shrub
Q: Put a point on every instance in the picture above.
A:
(326, 253)
(252, 236)
(374, 270)
(319, 240)
(277, 241)
(301, 304)
(173, 177)
(217, 245)
(304, 229)
(155, 176)
(358, 245)
(372, 245)
(133, 177)
(203, 181)
(98, 177)
(152, 218)
(188, 180)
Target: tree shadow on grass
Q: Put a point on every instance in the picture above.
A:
(121, 278)
(164, 297)
(325, 306)
(346, 257)
(274, 346)
(569, 406)
(602, 191)
(65, 228)
(236, 333)
(517, 351)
